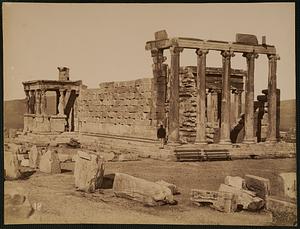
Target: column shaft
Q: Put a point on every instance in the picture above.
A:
(249, 98)
(214, 106)
(38, 102)
(225, 106)
(201, 95)
(173, 123)
(272, 98)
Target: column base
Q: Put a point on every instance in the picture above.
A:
(249, 141)
(225, 142)
(200, 143)
(271, 141)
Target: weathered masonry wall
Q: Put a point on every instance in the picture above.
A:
(125, 109)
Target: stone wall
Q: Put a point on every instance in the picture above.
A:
(126, 108)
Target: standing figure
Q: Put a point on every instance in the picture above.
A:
(161, 135)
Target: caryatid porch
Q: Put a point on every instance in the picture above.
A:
(36, 119)
(245, 44)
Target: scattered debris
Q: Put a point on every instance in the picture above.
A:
(34, 157)
(172, 187)
(260, 185)
(288, 185)
(221, 201)
(147, 192)
(237, 182)
(89, 171)
(244, 199)
(11, 166)
(73, 143)
(50, 163)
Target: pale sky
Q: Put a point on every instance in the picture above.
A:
(106, 42)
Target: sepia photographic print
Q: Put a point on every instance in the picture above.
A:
(149, 113)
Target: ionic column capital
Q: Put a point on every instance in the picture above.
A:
(273, 57)
(250, 55)
(227, 53)
(175, 50)
(201, 52)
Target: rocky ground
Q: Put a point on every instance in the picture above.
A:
(57, 201)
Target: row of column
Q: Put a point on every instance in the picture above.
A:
(36, 101)
(226, 100)
(212, 108)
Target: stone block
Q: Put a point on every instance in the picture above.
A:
(50, 163)
(25, 162)
(259, 185)
(172, 187)
(128, 157)
(237, 182)
(287, 185)
(137, 189)
(63, 157)
(247, 39)
(88, 171)
(283, 210)
(245, 199)
(162, 34)
(12, 147)
(34, 157)
(221, 201)
(11, 166)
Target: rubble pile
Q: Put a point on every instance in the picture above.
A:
(235, 194)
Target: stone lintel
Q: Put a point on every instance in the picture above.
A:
(192, 43)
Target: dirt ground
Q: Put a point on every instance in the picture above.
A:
(62, 204)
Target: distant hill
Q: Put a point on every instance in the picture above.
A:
(287, 114)
(14, 110)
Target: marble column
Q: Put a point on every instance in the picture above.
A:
(225, 106)
(237, 100)
(27, 102)
(43, 101)
(38, 102)
(173, 127)
(249, 98)
(61, 104)
(214, 108)
(160, 85)
(209, 113)
(201, 95)
(272, 97)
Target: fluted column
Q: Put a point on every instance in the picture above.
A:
(225, 106)
(214, 107)
(38, 102)
(43, 102)
(61, 104)
(201, 95)
(160, 84)
(272, 98)
(237, 98)
(249, 98)
(173, 127)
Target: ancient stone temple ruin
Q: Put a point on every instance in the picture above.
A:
(36, 119)
(196, 104)
(204, 92)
